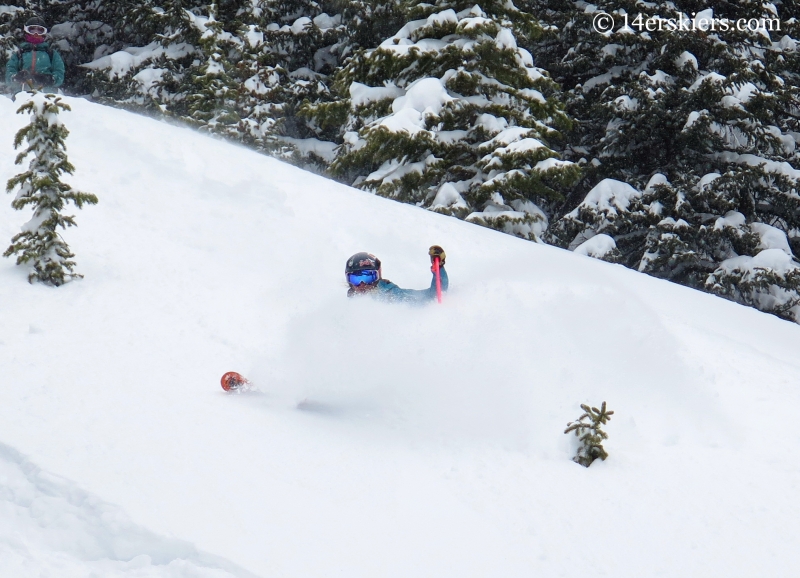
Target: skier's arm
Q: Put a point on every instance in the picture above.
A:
(445, 280)
(392, 292)
(429, 294)
(57, 69)
(395, 293)
(12, 67)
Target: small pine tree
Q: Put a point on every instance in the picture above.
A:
(590, 435)
(41, 186)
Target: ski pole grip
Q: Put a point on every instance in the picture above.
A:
(438, 279)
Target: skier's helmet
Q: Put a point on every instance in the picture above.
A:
(35, 26)
(362, 268)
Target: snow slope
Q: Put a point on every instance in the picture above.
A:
(384, 440)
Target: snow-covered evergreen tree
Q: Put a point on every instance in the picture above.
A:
(40, 243)
(214, 91)
(9, 20)
(290, 54)
(239, 68)
(243, 68)
(154, 67)
(368, 23)
(451, 114)
(301, 43)
(704, 127)
(83, 30)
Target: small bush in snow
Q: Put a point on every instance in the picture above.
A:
(590, 435)
(40, 186)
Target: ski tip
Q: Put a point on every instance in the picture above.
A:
(232, 381)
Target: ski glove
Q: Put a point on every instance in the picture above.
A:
(437, 251)
(21, 76)
(43, 79)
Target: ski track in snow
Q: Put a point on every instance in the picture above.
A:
(381, 440)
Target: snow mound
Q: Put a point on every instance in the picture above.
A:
(598, 246)
(609, 195)
(427, 96)
(48, 526)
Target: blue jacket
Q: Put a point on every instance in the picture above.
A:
(388, 291)
(35, 58)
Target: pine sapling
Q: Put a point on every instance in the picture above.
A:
(590, 435)
(39, 242)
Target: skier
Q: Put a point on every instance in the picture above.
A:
(35, 64)
(363, 273)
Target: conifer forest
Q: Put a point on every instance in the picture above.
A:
(673, 150)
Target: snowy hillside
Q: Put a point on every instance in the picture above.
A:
(384, 440)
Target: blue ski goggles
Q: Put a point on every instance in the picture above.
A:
(367, 277)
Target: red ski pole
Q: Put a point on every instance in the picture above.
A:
(438, 279)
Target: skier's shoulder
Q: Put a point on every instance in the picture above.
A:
(51, 49)
(384, 285)
(41, 47)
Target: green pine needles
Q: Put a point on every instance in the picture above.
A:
(449, 113)
(214, 102)
(590, 435)
(39, 243)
